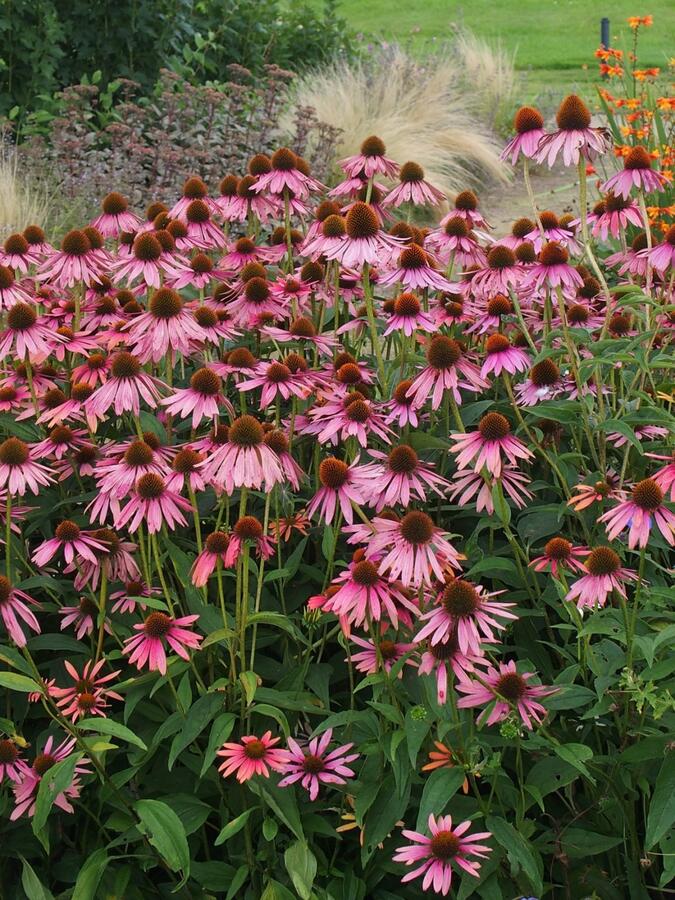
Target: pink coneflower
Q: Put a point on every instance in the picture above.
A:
(662, 257)
(501, 274)
(115, 216)
(528, 124)
(76, 261)
(88, 693)
(116, 562)
(130, 598)
(414, 547)
(553, 269)
(618, 214)
(466, 206)
(252, 756)
(193, 189)
(247, 531)
(413, 188)
(166, 326)
(226, 202)
(502, 356)
(19, 470)
(509, 690)
(370, 161)
(341, 485)
(302, 331)
(575, 137)
(248, 202)
(71, 540)
(215, 324)
(553, 229)
(285, 175)
(341, 417)
(312, 766)
(637, 172)
(402, 409)
(665, 476)
(448, 369)
(382, 655)
(285, 527)
(26, 335)
(605, 574)
(361, 593)
(409, 317)
(215, 550)
(146, 261)
(633, 260)
(123, 391)
(202, 231)
(245, 460)
(82, 617)
(365, 242)
(485, 446)
(10, 291)
(641, 432)
(203, 398)
(25, 792)
(456, 241)
(37, 241)
(256, 299)
(468, 484)
(399, 477)
(644, 509)
(117, 474)
(278, 443)
(198, 273)
(61, 441)
(544, 382)
(95, 369)
(327, 240)
(11, 765)
(148, 646)
(560, 554)
(13, 607)
(185, 470)
(436, 854)
(444, 656)
(586, 495)
(276, 380)
(466, 610)
(488, 316)
(242, 251)
(415, 272)
(154, 504)
(18, 254)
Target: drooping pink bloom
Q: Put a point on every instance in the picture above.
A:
(529, 127)
(166, 327)
(247, 531)
(341, 485)
(14, 606)
(276, 380)
(413, 547)
(245, 460)
(446, 656)
(215, 550)
(203, 398)
(252, 756)
(415, 272)
(402, 409)
(148, 647)
(116, 562)
(361, 594)
(448, 369)
(193, 189)
(364, 243)
(455, 241)
(340, 418)
(154, 503)
(11, 765)
(617, 215)
(27, 336)
(115, 216)
(302, 331)
(399, 477)
(500, 275)
(552, 269)
(130, 598)
(382, 655)
(466, 610)
(313, 765)
(575, 137)
(509, 690)
(544, 382)
(123, 391)
(25, 792)
(586, 495)
(637, 172)
(437, 853)
(468, 484)
(286, 176)
(662, 257)
(146, 261)
(485, 446)
(665, 476)
(19, 470)
(11, 291)
(644, 510)
(71, 540)
(76, 261)
(560, 554)
(413, 188)
(633, 260)
(641, 432)
(370, 161)
(408, 317)
(605, 574)
(82, 617)
(18, 254)
(88, 694)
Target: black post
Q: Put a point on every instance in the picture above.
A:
(604, 32)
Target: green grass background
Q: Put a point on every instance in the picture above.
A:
(550, 39)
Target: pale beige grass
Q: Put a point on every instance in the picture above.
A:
(23, 201)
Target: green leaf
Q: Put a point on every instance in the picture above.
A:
(32, 885)
(441, 786)
(234, 827)
(282, 802)
(165, 832)
(249, 681)
(616, 425)
(223, 635)
(574, 754)
(271, 618)
(578, 843)
(220, 732)
(662, 805)
(18, 683)
(240, 877)
(198, 717)
(112, 729)
(301, 866)
(521, 854)
(53, 783)
(90, 875)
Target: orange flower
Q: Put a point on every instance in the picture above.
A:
(644, 74)
(443, 757)
(635, 21)
(665, 104)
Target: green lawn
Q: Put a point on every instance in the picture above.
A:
(551, 38)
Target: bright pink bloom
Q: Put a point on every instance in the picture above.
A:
(442, 657)
(247, 531)
(413, 188)
(312, 766)
(399, 477)
(88, 694)
(25, 792)
(384, 655)
(529, 127)
(605, 574)
(485, 446)
(575, 137)
(154, 503)
(448, 369)
(148, 646)
(560, 554)
(340, 418)
(509, 690)
(71, 540)
(215, 550)
(639, 514)
(245, 460)
(637, 173)
(123, 391)
(665, 477)
(82, 617)
(370, 161)
(447, 845)
(14, 607)
(203, 398)
(115, 216)
(415, 272)
(19, 470)
(340, 485)
(76, 261)
(11, 764)
(252, 756)
(27, 336)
